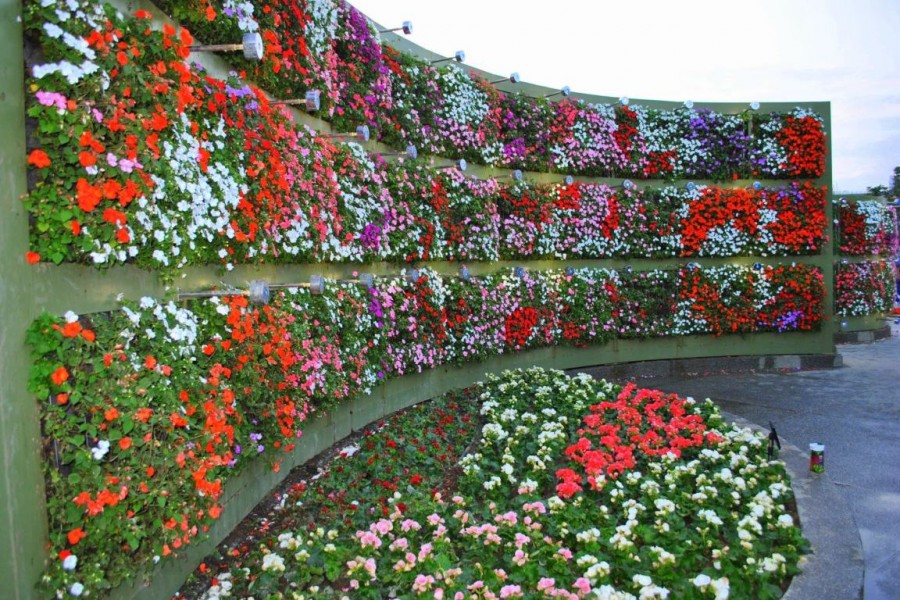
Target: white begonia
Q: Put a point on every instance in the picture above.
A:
(273, 562)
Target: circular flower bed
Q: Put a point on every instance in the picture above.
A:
(532, 484)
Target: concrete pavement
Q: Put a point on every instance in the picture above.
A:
(855, 411)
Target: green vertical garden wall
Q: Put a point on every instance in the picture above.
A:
(173, 387)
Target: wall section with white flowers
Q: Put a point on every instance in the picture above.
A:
(215, 277)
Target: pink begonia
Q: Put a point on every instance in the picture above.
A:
(520, 558)
(535, 507)
(510, 518)
(521, 539)
(435, 519)
(382, 526)
(511, 591)
(565, 553)
(501, 574)
(459, 596)
(475, 586)
(546, 583)
(399, 544)
(439, 594)
(409, 524)
(424, 551)
(422, 583)
(371, 567)
(367, 538)
(583, 585)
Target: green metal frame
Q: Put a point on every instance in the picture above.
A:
(23, 528)
(26, 291)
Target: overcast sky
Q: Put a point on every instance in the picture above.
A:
(844, 51)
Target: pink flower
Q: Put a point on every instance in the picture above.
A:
(583, 585)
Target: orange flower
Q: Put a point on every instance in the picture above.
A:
(88, 335)
(71, 329)
(39, 159)
(87, 195)
(75, 226)
(76, 535)
(111, 414)
(62, 398)
(210, 13)
(32, 258)
(215, 511)
(59, 376)
(87, 159)
(150, 362)
(143, 414)
(151, 471)
(125, 443)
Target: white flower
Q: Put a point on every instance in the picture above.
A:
(70, 562)
(273, 562)
(100, 450)
(702, 580)
(76, 589)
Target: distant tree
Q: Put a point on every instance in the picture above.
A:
(878, 190)
(895, 183)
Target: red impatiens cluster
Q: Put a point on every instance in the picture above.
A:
(616, 435)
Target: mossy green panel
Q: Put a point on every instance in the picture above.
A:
(864, 323)
(23, 529)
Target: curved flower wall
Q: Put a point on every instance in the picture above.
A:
(863, 288)
(864, 228)
(151, 408)
(139, 156)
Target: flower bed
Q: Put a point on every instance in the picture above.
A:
(863, 288)
(532, 484)
(148, 410)
(140, 157)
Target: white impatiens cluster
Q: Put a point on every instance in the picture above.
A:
(194, 205)
(82, 55)
(176, 326)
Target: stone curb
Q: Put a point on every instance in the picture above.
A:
(834, 568)
(862, 337)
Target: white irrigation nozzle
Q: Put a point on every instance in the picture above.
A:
(316, 285)
(251, 44)
(564, 91)
(406, 28)
(460, 56)
(411, 153)
(257, 292)
(361, 135)
(513, 78)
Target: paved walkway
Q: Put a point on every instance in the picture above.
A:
(855, 412)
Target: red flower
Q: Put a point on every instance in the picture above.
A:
(39, 159)
(60, 376)
(76, 535)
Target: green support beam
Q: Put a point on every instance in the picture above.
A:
(23, 523)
